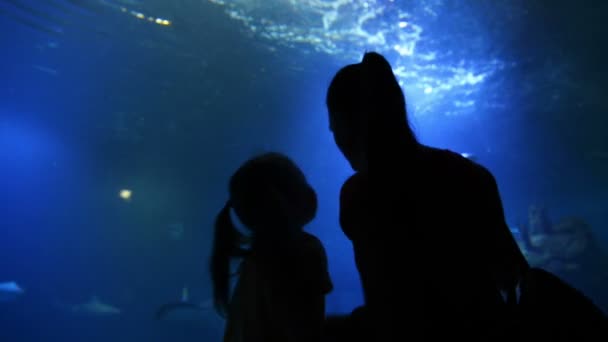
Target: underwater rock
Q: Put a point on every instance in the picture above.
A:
(538, 221)
(560, 247)
(563, 246)
(567, 249)
(535, 258)
(572, 224)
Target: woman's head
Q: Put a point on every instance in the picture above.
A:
(271, 197)
(361, 97)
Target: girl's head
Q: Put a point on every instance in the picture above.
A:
(271, 197)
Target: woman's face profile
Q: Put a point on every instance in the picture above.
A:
(349, 139)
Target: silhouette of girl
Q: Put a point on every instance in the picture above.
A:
(283, 276)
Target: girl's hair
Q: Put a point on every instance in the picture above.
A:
(271, 197)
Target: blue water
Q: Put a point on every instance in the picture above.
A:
(95, 100)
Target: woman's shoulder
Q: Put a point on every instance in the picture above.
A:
(455, 162)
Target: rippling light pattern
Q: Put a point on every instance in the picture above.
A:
(347, 28)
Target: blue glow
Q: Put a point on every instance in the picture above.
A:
(24, 146)
(35, 167)
(102, 96)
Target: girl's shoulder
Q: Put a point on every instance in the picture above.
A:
(309, 250)
(311, 266)
(311, 242)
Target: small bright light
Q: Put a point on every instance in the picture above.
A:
(125, 194)
(166, 22)
(140, 16)
(402, 24)
(428, 90)
(159, 21)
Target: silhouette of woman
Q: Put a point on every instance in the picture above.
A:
(427, 225)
